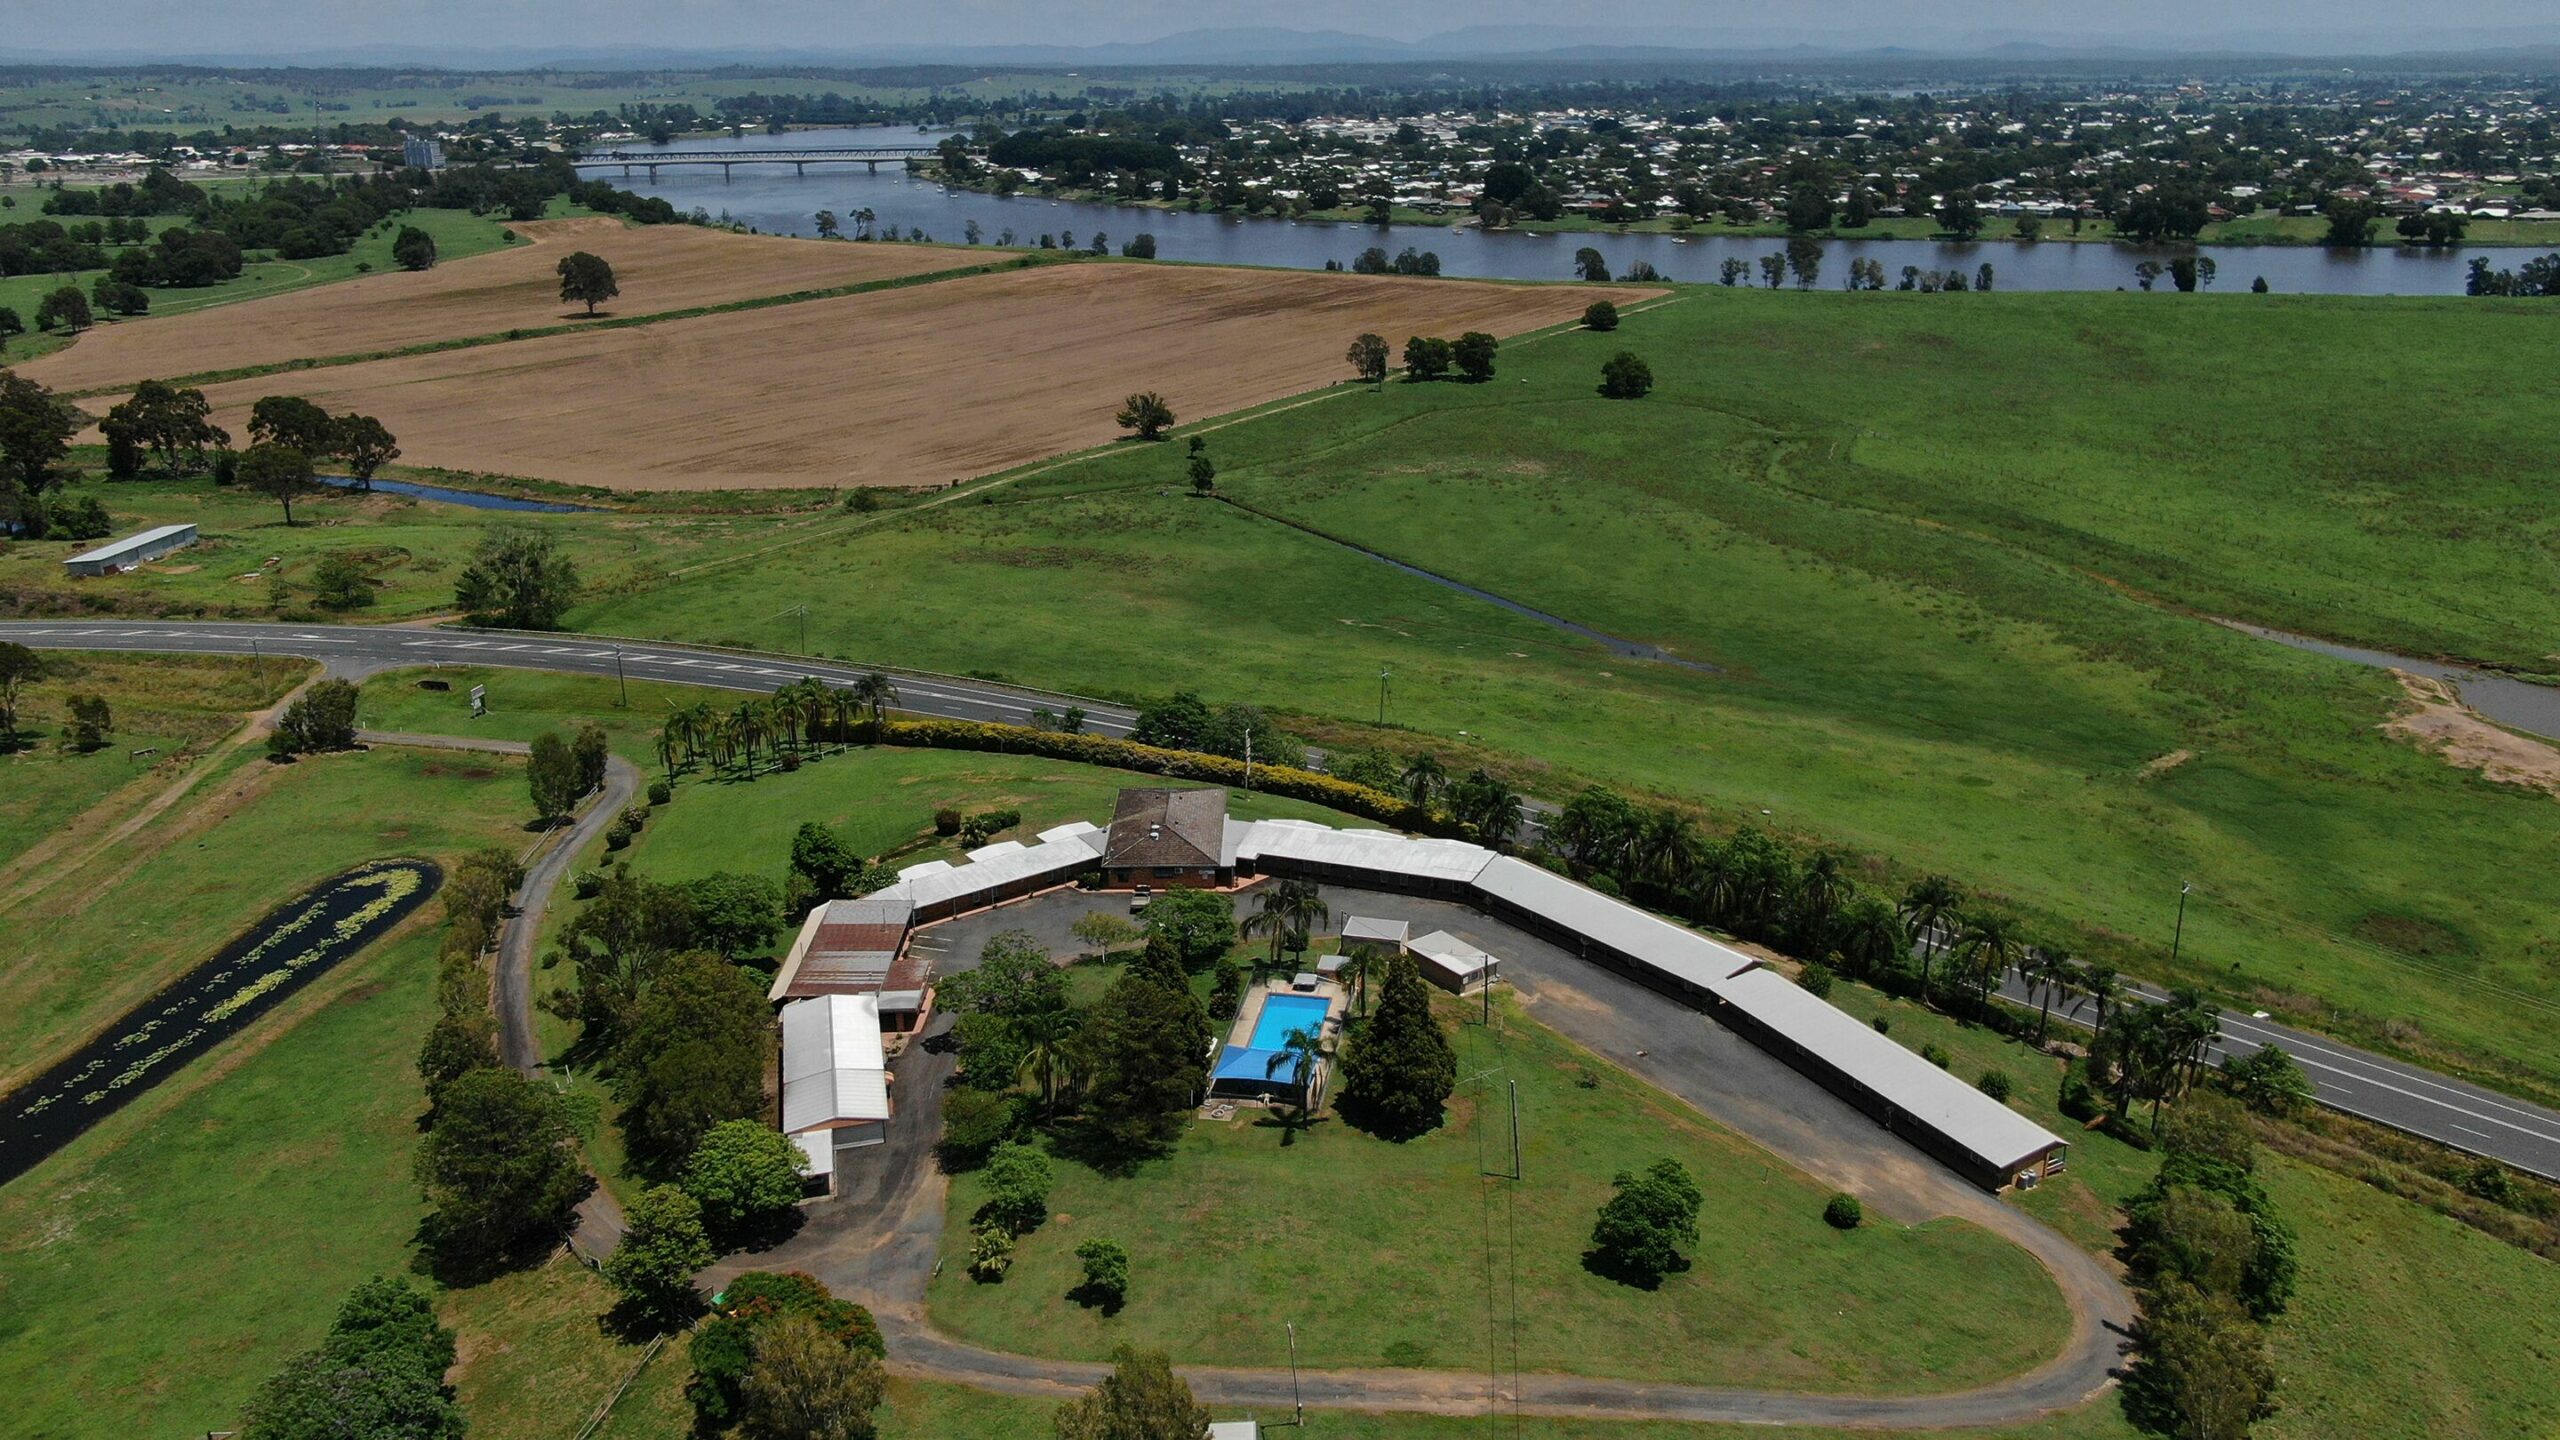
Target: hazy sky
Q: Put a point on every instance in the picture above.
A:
(289, 26)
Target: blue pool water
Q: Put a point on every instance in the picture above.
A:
(1284, 1013)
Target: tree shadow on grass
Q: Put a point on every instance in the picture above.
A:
(1610, 1266)
(631, 1323)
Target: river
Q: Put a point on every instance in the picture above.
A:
(776, 199)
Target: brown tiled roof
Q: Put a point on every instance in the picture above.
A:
(1167, 827)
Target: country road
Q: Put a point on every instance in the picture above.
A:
(2405, 1097)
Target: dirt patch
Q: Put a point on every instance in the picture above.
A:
(2437, 721)
(2161, 765)
(2412, 935)
(439, 769)
(659, 267)
(917, 386)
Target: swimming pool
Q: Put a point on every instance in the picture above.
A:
(1284, 1013)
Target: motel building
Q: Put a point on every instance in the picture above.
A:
(852, 992)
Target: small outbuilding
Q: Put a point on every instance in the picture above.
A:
(1383, 935)
(117, 556)
(835, 1077)
(1452, 963)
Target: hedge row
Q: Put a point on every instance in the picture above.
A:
(1285, 780)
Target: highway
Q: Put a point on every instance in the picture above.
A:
(357, 650)
(2451, 1112)
(2360, 1083)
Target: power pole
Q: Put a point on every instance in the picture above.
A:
(1383, 673)
(619, 679)
(2180, 934)
(1515, 1129)
(1296, 1404)
(1248, 759)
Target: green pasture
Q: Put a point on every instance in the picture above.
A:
(1943, 550)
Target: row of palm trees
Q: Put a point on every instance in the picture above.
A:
(1479, 800)
(803, 714)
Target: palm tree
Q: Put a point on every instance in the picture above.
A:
(1986, 950)
(1423, 778)
(1490, 807)
(1873, 938)
(1045, 1035)
(1928, 907)
(1298, 1052)
(2103, 986)
(1355, 968)
(877, 691)
(2048, 971)
(1288, 908)
(1667, 848)
(1820, 892)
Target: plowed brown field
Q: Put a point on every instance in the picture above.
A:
(659, 267)
(920, 385)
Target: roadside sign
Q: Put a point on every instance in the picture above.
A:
(479, 701)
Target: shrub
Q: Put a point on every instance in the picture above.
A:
(1626, 377)
(974, 1122)
(1844, 1212)
(1936, 1054)
(1883, 1026)
(1106, 1275)
(1645, 1227)
(660, 792)
(588, 885)
(1601, 316)
(1994, 1083)
(1018, 1181)
(990, 1253)
(2078, 1101)
(790, 761)
(946, 821)
(1815, 980)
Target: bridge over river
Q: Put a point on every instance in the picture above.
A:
(873, 156)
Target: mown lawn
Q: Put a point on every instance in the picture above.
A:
(412, 550)
(1911, 531)
(175, 705)
(1404, 1254)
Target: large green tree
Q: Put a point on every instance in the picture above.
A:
(1141, 1399)
(654, 1263)
(586, 279)
(808, 1383)
(744, 1174)
(1398, 1070)
(174, 424)
(293, 422)
(500, 1169)
(18, 667)
(279, 472)
(700, 1042)
(1145, 1053)
(1647, 1226)
(518, 579)
(1200, 925)
(724, 1346)
(36, 427)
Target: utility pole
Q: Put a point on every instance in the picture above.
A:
(1248, 759)
(1383, 673)
(1296, 1404)
(1515, 1129)
(2180, 934)
(619, 679)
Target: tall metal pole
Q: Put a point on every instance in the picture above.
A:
(1383, 672)
(1296, 1404)
(1248, 759)
(2180, 934)
(619, 679)
(1515, 1129)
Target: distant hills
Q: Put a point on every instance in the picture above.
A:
(1278, 46)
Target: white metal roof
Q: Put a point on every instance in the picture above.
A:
(1989, 1130)
(1679, 953)
(1448, 952)
(1061, 852)
(817, 1152)
(1364, 927)
(1378, 851)
(833, 1069)
(114, 548)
